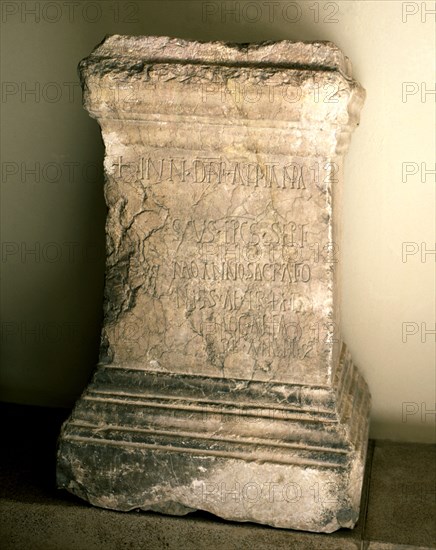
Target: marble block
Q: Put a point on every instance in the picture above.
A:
(223, 383)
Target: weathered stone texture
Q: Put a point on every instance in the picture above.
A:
(223, 383)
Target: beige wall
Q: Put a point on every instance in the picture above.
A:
(52, 298)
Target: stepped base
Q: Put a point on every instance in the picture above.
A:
(282, 455)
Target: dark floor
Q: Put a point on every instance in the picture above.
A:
(398, 505)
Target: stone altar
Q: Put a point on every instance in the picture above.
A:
(223, 384)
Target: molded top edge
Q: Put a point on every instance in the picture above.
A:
(321, 55)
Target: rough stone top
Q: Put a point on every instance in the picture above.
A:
(156, 76)
(284, 53)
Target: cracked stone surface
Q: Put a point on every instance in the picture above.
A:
(223, 382)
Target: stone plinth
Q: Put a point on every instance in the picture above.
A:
(223, 383)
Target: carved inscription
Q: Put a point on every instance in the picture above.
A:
(241, 249)
(243, 283)
(216, 170)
